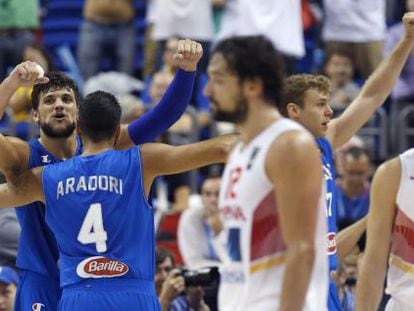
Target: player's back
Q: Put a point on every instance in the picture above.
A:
(96, 207)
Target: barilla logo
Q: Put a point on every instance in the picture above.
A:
(331, 243)
(101, 267)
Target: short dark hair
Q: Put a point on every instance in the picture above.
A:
(356, 152)
(99, 116)
(161, 254)
(57, 81)
(251, 57)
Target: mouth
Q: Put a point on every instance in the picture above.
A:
(325, 125)
(59, 117)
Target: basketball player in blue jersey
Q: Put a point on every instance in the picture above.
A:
(96, 206)
(54, 110)
(306, 100)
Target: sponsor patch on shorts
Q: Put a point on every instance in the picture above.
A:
(101, 267)
(331, 243)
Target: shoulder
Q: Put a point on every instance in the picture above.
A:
(292, 146)
(388, 175)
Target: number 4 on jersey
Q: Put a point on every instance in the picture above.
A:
(92, 230)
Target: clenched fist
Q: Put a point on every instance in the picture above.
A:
(188, 54)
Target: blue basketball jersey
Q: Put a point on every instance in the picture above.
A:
(97, 209)
(329, 174)
(37, 246)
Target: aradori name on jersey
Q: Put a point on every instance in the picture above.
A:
(101, 267)
(89, 183)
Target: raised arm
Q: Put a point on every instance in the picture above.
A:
(293, 165)
(22, 189)
(375, 91)
(380, 221)
(23, 75)
(172, 105)
(161, 159)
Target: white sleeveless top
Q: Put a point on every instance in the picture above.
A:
(252, 270)
(400, 281)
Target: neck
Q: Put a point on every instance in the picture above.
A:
(352, 192)
(62, 148)
(258, 119)
(90, 147)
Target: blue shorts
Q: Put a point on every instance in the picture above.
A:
(110, 295)
(334, 304)
(37, 292)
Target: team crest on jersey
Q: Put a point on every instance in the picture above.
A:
(101, 267)
(331, 243)
(45, 159)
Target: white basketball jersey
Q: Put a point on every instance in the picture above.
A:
(400, 281)
(252, 271)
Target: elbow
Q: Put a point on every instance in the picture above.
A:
(303, 252)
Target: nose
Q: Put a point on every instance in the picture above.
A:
(58, 104)
(329, 110)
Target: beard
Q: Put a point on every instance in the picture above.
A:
(60, 133)
(237, 116)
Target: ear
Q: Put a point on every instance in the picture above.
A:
(35, 116)
(293, 110)
(253, 87)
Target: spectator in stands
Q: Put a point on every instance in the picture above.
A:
(18, 19)
(339, 154)
(340, 70)
(132, 108)
(179, 134)
(353, 188)
(9, 237)
(199, 226)
(21, 103)
(198, 100)
(191, 19)
(280, 21)
(107, 31)
(403, 90)
(9, 234)
(345, 281)
(357, 27)
(170, 286)
(8, 283)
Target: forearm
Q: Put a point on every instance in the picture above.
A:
(164, 302)
(171, 107)
(298, 270)
(370, 285)
(7, 89)
(383, 79)
(373, 95)
(348, 238)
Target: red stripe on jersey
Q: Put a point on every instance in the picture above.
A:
(266, 233)
(402, 240)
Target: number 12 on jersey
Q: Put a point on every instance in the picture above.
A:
(92, 230)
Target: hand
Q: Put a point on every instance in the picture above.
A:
(26, 74)
(173, 285)
(408, 21)
(188, 54)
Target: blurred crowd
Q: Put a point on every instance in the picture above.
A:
(126, 47)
